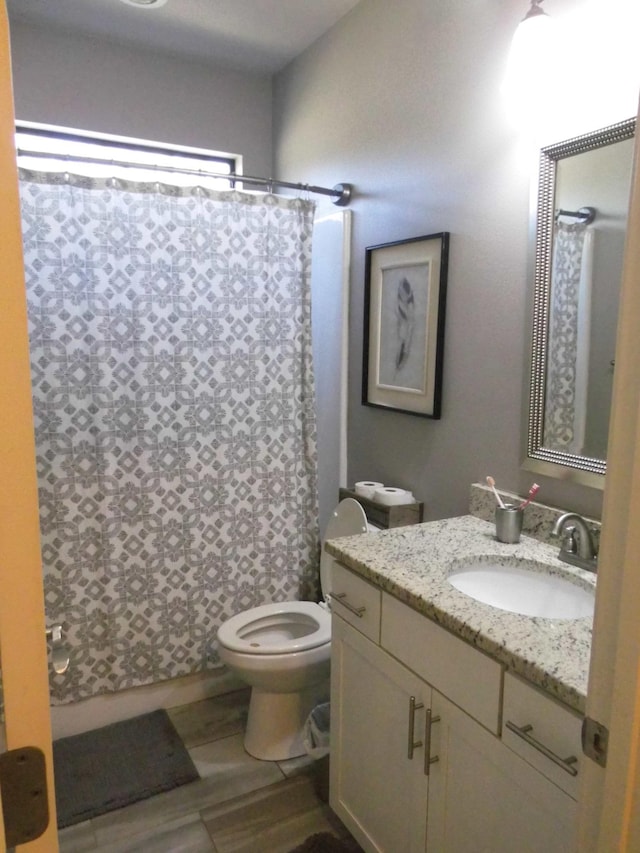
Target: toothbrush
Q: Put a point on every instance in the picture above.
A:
(492, 485)
(533, 491)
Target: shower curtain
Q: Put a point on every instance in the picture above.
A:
(569, 336)
(174, 415)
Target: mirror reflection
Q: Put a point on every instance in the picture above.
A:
(583, 199)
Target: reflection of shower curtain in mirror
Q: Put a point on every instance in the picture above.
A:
(175, 425)
(569, 334)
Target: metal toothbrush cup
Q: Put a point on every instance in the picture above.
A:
(509, 523)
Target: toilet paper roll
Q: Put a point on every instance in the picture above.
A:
(367, 488)
(390, 496)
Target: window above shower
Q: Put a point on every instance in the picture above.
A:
(45, 148)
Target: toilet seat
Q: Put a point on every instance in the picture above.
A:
(277, 629)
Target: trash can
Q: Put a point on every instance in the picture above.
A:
(316, 741)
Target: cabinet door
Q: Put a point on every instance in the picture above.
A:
(483, 798)
(376, 789)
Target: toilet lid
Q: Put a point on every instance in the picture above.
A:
(348, 519)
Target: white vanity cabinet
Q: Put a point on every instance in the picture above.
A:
(484, 798)
(375, 788)
(417, 761)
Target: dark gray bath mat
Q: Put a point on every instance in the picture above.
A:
(324, 842)
(99, 771)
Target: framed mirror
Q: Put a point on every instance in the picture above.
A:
(582, 206)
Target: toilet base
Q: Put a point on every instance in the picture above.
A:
(276, 721)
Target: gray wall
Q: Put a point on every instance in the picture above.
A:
(402, 99)
(90, 84)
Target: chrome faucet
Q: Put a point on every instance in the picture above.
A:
(578, 546)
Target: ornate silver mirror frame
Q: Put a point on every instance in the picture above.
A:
(579, 468)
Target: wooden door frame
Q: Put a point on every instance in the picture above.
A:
(610, 797)
(23, 649)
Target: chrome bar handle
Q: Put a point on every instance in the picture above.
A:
(342, 598)
(523, 732)
(413, 707)
(428, 760)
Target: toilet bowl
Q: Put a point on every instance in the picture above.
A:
(283, 652)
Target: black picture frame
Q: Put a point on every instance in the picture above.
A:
(404, 318)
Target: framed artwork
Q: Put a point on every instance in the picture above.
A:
(404, 311)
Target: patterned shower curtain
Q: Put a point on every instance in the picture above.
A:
(174, 414)
(569, 333)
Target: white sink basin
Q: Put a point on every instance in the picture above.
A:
(523, 586)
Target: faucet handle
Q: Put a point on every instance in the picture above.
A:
(59, 652)
(568, 542)
(578, 544)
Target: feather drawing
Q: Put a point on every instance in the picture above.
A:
(405, 310)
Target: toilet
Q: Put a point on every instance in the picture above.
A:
(283, 652)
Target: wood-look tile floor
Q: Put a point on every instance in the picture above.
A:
(239, 805)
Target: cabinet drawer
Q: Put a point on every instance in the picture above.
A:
(551, 736)
(463, 674)
(356, 601)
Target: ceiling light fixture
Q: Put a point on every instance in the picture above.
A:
(145, 4)
(533, 31)
(530, 58)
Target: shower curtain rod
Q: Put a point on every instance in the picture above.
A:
(341, 193)
(584, 214)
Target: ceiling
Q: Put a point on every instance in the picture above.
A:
(259, 36)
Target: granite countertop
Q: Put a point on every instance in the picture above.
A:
(412, 564)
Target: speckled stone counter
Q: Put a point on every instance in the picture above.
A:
(413, 563)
